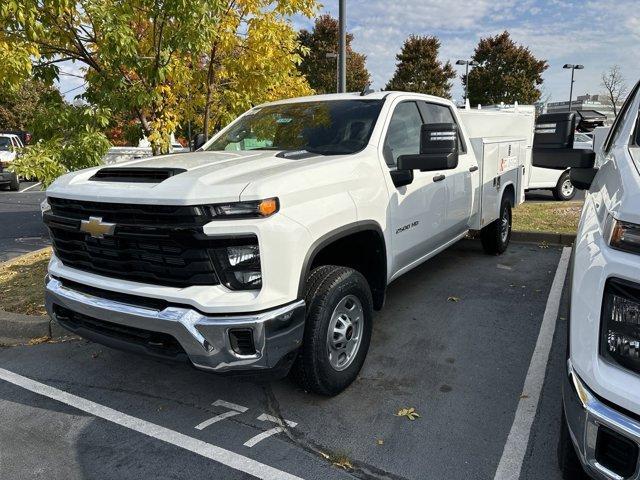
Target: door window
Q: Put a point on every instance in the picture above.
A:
(403, 134)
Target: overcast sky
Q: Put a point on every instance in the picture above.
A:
(597, 34)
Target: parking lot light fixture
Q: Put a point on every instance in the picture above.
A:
(467, 64)
(573, 69)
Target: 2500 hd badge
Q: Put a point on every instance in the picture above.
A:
(407, 227)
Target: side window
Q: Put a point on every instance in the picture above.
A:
(620, 120)
(434, 113)
(403, 134)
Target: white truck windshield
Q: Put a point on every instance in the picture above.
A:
(325, 127)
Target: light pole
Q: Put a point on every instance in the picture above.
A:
(342, 47)
(337, 57)
(467, 64)
(573, 69)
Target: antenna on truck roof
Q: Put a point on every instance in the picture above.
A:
(367, 90)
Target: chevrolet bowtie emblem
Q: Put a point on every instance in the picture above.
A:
(96, 227)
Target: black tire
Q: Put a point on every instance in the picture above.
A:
(568, 460)
(14, 185)
(326, 288)
(562, 192)
(494, 240)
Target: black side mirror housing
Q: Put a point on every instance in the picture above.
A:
(198, 141)
(401, 177)
(438, 149)
(553, 143)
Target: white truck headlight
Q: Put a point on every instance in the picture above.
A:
(620, 323)
(623, 236)
(248, 209)
(238, 265)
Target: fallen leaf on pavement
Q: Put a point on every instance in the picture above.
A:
(410, 413)
(453, 299)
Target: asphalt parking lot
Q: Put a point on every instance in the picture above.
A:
(454, 341)
(21, 224)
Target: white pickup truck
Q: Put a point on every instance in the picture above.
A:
(601, 416)
(271, 245)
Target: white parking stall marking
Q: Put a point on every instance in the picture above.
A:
(233, 411)
(30, 187)
(273, 431)
(213, 452)
(516, 447)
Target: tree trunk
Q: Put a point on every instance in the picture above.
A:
(207, 103)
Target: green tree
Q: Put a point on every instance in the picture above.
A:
(507, 72)
(320, 70)
(147, 56)
(65, 138)
(19, 106)
(419, 70)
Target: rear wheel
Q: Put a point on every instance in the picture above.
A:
(14, 185)
(564, 190)
(568, 460)
(337, 330)
(496, 236)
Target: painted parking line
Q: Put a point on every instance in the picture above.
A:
(204, 449)
(516, 447)
(233, 411)
(30, 187)
(268, 433)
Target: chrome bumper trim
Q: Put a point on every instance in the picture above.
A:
(585, 413)
(204, 338)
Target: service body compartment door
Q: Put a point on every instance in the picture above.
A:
(501, 160)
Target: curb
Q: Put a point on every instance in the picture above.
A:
(18, 328)
(564, 239)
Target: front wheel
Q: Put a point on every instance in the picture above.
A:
(564, 190)
(496, 236)
(337, 331)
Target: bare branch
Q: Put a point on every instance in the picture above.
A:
(614, 84)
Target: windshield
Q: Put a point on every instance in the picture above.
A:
(325, 127)
(5, 143)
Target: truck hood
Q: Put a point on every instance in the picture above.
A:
(210, 177)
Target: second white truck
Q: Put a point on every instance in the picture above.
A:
(270, 247)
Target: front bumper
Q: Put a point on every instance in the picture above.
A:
(586, 416)
(204, 338)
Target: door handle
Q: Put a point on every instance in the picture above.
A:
(438, 178)
(473, 169)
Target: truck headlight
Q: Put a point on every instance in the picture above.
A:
(623, 235)
(238, 265)
(620, 329)
(248, 209)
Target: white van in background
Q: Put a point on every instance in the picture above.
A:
(520, 118)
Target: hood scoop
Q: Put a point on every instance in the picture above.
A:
(135, 174)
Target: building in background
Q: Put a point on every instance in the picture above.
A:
(588, 103)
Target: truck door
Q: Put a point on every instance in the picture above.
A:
(418, 210)
(461, 182)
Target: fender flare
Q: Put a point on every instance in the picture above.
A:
(337, 234)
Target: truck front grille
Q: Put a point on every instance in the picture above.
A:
(161, 245)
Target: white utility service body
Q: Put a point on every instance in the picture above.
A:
(223, 253)
(519, 120)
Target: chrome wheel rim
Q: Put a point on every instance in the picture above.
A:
(504, 225)
(567, 188)
(345, 332)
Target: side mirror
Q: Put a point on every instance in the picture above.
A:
(198, 141)
(438, 149)
(553, 143)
